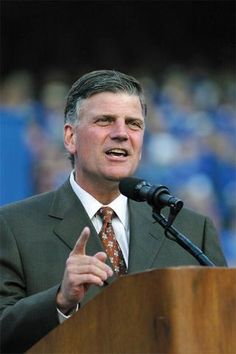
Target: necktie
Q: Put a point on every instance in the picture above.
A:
(108, 238)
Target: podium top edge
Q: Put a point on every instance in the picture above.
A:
(184, 269)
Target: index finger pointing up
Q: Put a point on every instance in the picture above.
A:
(81, 243)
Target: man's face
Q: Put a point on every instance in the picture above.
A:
(107, 141)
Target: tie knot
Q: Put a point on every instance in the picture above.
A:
(106, 213)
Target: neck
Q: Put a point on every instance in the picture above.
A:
(104, 192)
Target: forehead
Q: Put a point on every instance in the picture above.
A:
(112, 103)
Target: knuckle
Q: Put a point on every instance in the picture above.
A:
(91, 278)
(90, 268)
(90, 261)
(94, 261)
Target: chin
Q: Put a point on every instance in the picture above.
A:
(118, 177)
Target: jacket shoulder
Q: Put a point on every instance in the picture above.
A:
(28, 204)
(40, 203)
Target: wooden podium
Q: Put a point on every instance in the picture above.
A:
(183, 310)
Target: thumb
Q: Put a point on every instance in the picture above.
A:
(80, 246)
(102, 256)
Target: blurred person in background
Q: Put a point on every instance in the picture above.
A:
(52, 258)
(31, 130)
(21, 136)
(190, 133)
(52, 168)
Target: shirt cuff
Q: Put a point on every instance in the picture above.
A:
(62, 317)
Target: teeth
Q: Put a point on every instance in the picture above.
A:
(117, 152)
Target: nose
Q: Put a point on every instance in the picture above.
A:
(119, 131)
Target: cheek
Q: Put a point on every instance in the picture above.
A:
(86, 148)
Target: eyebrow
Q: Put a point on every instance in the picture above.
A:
(113, 116)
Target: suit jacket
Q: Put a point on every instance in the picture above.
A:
(37, 236)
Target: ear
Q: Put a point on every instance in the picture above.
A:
(70, 138)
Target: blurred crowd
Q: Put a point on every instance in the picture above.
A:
(189, 146)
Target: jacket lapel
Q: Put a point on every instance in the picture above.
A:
(146, 237)
(73, 218)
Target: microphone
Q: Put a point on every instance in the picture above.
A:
(157, 196)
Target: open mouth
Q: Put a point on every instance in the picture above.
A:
(117, 152)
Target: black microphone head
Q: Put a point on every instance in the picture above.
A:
(156, 196)
(128, 186)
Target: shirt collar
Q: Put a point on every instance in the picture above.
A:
(92, 205)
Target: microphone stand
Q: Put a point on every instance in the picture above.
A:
(180, 238)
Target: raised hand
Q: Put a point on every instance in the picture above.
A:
(80, 272)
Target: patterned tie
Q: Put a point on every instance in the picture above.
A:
(107, 235)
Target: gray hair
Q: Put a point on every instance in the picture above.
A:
(97, 82)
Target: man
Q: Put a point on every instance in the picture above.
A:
(53, 261)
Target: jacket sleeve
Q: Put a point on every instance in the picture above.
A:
(24, 319)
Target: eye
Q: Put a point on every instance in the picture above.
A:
(103, 121)
(135, 124)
